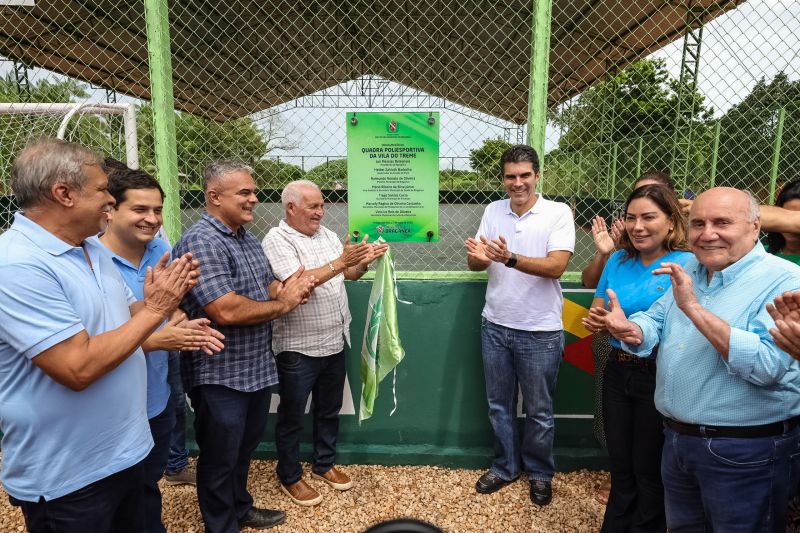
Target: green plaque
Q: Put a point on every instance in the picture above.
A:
(393, 176)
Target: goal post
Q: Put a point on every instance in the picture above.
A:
(69, 110)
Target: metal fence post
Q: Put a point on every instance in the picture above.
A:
(160, 60)
(776, 155)
(537, 87)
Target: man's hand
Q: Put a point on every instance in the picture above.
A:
(375, 251)
(496, 249)
(354, 253)
(686, 205)
(214, 338)
(165, 285)
(476, 251)
(682, 288)
(604, 243)
(184, 335)
(614, 321)
(295, 290)
(785, 311)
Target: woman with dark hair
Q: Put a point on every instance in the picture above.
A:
(786, 245)
(605, 242)
(655, 232)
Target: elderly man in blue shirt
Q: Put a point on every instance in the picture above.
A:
(72, 376)
(729, 396)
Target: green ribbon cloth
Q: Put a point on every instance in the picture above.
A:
(381, 351)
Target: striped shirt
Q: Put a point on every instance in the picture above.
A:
(320, 327)
(229, 262)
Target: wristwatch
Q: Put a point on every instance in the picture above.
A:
(512, 261)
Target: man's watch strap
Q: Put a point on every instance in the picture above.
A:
(512, 261)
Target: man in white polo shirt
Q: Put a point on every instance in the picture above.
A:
(525, 243)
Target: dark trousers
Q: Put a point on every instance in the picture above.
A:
(110, 505)
(300, 375)
(154, 464)
(228, 426)
(178, 455)
(634, 437)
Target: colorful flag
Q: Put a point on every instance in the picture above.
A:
(381, 351)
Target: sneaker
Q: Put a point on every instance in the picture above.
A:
(187, 476)
(491, 482)
(257, 518)
(541, 492)
(302, 493)
(335, 478)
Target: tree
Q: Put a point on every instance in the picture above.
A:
(271, 174)
(485, 160)
(747, 136)
(201, 140)
(641, 102)
(331, 174)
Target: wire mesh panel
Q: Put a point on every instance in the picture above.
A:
(706, 90)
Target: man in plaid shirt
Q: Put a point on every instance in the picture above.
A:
(309, 342)
(238, 293)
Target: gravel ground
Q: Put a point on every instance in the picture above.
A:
(445, 497)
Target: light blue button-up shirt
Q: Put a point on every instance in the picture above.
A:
(759, 383)
(158, 360)
(56, 440)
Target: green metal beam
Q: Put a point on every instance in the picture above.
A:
(539, 75)
(776, 156)
(160, 56)
(715, 155)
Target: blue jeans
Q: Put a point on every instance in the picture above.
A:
(178, 454)
(228, 426)
(323, 378)
(728, 485)
(112, 504)
(154, 464)
(530, 359)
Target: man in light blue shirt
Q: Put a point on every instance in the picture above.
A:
(130, 239)
(72, 375)
(729, 395)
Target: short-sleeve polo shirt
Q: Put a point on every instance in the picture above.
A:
(515, 299)
(56, 440)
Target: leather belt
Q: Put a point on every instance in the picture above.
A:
(736, 432)
(628, 358)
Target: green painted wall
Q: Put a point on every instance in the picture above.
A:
(441, 416)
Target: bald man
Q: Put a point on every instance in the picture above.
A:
(729, 395)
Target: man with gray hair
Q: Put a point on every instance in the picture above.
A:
(729, 396)
(309, 342)
(72, 374)
(238, 292)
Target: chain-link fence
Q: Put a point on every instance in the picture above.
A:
(708, 91)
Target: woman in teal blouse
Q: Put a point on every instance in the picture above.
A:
(655, 232)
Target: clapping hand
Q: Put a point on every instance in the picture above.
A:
(496, 249)
(604, 242)
(476, 251)
(682, 287)
(614, 321)
(785, 311)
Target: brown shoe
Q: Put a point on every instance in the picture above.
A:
(335, 478)
(302, 493)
